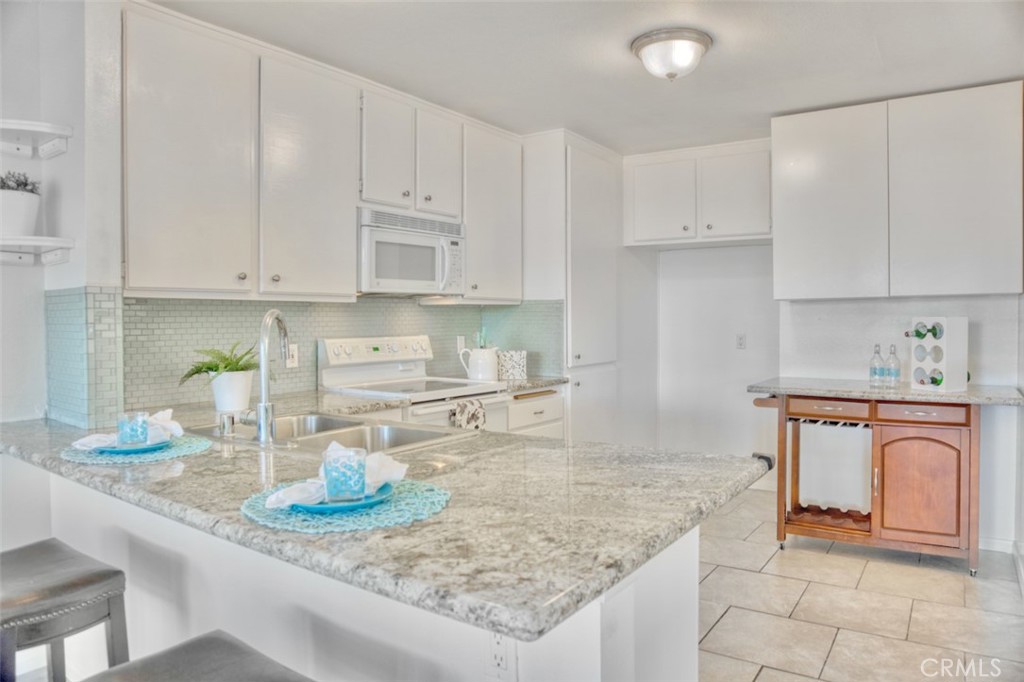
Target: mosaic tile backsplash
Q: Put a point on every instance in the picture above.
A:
(161, 335)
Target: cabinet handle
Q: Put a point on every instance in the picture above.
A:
(919, 414)
(709, 226)
(686, 228)
(828, 408)
(405, 193)
(474, 287)
(275, 278)
(577, 384)
(242, 276)
(876, 481)
(538, 413)
(578, 356)
(428, 198)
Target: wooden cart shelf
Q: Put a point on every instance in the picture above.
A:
(829, 519)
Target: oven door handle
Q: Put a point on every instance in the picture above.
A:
(444, 264)
(491, 401)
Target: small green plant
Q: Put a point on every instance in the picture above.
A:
(216, 362)
(19, 182)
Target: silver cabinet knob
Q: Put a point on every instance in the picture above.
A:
(578, 356)
(242, 276)
(474, 287)
(275, 278)
(577, 384)
(686, 228)
(406, 193)
(428, 198)
(709, 226)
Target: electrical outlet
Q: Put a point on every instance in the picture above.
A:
(741, 341)
(293, 356)
(500, 663)
(499, 652)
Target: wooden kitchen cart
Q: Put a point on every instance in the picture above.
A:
(924, 474)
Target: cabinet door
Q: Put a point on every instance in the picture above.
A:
(734, 195)
(593, 210)
(955, 165)
(309, 181)
(389, 143)
(665, 201)
(830, 210)
(921, 485)
(190, 136)
(493, 216)
(438, 164)
(593, 404)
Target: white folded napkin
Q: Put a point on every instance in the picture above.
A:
(160, 426)
(380, 469)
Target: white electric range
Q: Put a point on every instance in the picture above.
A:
(395, 367)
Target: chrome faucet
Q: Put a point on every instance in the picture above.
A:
(265, 409)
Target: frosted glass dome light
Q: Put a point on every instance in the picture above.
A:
(671, 52)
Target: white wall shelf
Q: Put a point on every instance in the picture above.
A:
(33, 138)
(35, 250)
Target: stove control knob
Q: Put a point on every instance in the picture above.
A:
(348, 350)
(394, 348)
(336, 351)
(415, 345)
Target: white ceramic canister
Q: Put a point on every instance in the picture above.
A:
(512, 365)
(18, 211)
(482, 365)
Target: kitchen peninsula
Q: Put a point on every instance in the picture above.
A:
(551, 561)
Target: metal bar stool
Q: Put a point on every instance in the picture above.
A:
(48, 591)
(213, 657)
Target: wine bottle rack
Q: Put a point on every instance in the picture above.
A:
(941, 354)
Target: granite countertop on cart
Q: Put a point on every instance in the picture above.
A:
(976, 394)
(535, 384)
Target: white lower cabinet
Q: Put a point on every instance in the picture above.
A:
(538, 414)
(593, 404)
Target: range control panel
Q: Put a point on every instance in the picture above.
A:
(367, 350)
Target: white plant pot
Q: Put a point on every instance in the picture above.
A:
(231, 391)
(18, 211)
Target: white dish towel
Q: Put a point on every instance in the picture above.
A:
(468, 414)
(161, 428)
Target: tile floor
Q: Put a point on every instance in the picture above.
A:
(827, 611)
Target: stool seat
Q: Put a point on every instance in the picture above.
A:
(48, 579)
(213, 657)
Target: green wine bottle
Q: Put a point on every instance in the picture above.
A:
(921, 330)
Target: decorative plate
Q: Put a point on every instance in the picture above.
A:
(131, 449)
(383, 493)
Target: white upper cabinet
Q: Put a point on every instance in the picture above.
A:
(955, 164)
(701, 196)
(735, 196)
(493, 216)
(389, 140)
(664, 200)
(593, 209)
(190, 161)
(438, 164)
(309, 181)
(830, 203)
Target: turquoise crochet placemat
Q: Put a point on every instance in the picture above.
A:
(412, 501)
(182, 446)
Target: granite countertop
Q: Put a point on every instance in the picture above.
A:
(535, 383)
(976, 394)
(535, 528)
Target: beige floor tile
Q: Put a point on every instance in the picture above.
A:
(714, 668)
(729, 506)
(1001, 596)
(780, 643)
(710, 612)
(991, 565)
(753, 509)
(987, 634)
(816, 567)
(988, 669)
(842, 607)
(726, 526)
(892, 556)
(915, 582)
(705, 569)
(773, 675)
(755, 591)
(735, 553)
(858, 657)
(767, 497)
(766, 535)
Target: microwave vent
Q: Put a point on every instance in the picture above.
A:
(404, 222)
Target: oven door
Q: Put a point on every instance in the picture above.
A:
(437, 413)
(397, 262)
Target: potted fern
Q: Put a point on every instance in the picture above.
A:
(19, 198)
(230, 376)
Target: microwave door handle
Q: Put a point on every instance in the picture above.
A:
(444, 264)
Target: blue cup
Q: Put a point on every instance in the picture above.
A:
(345, 474)
(133, 429)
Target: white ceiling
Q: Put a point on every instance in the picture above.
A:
(533, 66)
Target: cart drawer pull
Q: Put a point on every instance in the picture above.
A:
(828, 408)
(920, 414)
(876, 481)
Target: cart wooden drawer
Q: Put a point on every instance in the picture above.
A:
(534, 411)
(927, 413)
(829, 409)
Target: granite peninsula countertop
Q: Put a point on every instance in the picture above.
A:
(535, 528)
(976, 394)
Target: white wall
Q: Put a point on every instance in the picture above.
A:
(706, 298)
(638, 342)
(1020, 441)
(834, 339)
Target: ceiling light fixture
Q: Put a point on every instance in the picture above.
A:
(671, 52)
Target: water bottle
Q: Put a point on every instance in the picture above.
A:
(892, 368)
(876, 376)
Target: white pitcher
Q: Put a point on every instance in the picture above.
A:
(483, 363)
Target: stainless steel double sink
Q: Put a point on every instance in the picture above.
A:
(315, 432)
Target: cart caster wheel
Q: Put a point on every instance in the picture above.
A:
(782, 545)
(974, 572)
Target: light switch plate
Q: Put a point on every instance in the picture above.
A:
(293, 356)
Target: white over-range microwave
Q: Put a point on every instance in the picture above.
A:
(401, 254)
